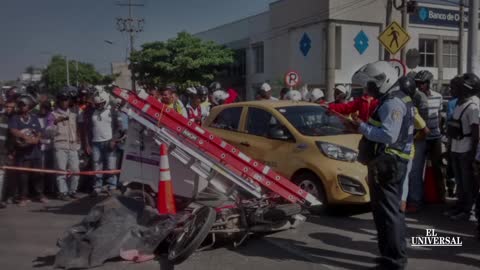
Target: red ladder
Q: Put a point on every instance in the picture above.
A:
(222, 152)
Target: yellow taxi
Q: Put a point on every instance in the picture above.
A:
(313, 147)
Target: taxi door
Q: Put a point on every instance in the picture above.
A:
(267, 140)
(227, 125)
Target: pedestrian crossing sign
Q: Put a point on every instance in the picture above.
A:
(394, 38)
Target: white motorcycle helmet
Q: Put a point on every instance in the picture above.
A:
(380, 73)
(191, 91)
(293, 95)
(219, 97)
(101, 97)
(266, 87)
(342, 88)
(316, 94)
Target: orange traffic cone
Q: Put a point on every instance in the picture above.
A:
(430, 187)
(165, 197)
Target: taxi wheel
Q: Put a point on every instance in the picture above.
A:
(313, 185)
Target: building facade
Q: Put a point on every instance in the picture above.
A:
(326, 41)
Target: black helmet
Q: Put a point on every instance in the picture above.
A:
(468, 83)
(412, 74)
(424, 76)
(202, 90)
(82, 92)
(407, 85)
(12, 94)
(70, 91)
(32, 90)
(73, 92)
(28, 100)
(63, 95)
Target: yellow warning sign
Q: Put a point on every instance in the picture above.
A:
(394, 38)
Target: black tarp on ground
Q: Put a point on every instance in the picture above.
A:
(120, 223)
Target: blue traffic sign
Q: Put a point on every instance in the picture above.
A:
(361, 42)
(305, 44)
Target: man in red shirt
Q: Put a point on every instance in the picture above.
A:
(364, 106)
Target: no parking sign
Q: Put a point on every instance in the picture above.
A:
(292, 79)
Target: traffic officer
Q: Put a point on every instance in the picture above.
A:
(385, 149)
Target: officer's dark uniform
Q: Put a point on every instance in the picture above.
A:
(385, 149)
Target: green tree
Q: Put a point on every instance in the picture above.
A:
(184, 61)
(55, 75)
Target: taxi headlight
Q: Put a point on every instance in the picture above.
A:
(337, 152)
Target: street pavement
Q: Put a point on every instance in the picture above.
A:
(341, 240)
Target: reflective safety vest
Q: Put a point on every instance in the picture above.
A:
(404, 144)
(179, 108)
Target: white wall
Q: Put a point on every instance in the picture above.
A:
(311, 67)
(279, 56)
(352, 60)
(259, 29)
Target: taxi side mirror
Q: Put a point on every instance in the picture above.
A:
(278, 133)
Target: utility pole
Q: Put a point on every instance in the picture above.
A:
(472, 57)
(76, 72)
(68, 70)
(403, 52)
(461, 34)
(131, 26)
(388, 21)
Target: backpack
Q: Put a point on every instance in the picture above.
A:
(455, 127)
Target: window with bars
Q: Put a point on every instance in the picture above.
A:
(258, 54)
(450, 53)
(428, 51)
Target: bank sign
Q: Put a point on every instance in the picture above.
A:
(437, 17)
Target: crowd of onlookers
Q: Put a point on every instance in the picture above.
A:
(40, 132)
(79, 127)
(43, 133)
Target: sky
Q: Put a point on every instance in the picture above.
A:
(33, 30)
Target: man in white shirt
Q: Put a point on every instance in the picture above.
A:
(103, 126)
(464, 135)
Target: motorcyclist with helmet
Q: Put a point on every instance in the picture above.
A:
(103, 126)
(462, 131)
(63, 126)
(195, 110)
(202, 92)
(233, 96)
(430, 147)
(26, 131)
(408, 86)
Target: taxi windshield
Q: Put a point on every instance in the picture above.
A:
(316, 121)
